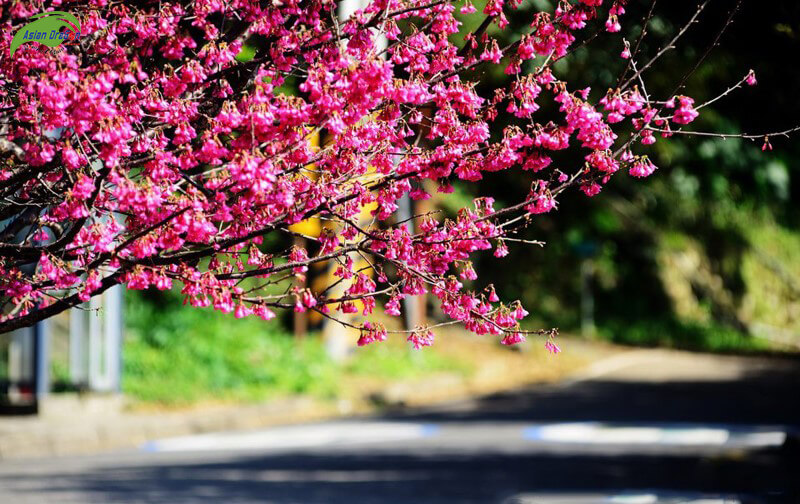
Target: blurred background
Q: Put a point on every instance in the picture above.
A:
(704, 255)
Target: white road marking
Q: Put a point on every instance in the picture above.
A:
(666, 497)
(595, 433)
(301, 436)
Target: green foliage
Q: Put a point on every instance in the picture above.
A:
(246, 53)
(671, 333)
(771, 271)
(179, 354)
(59, 373)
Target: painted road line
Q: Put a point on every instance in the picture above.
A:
(650, 497)
(301, 436)
(595, 433)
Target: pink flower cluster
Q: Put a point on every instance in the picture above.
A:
(163, 155)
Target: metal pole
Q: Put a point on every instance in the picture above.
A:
(112, 321)
(96, 381)
(41, 340)
(77, 347)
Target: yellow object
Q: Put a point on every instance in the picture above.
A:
(312, 226)
(309, 227)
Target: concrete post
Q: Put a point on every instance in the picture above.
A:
(41, 337)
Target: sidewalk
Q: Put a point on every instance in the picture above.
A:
(88, 430)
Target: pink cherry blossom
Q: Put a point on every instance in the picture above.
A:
(161, 156)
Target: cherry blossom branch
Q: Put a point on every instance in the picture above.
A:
(668, 46)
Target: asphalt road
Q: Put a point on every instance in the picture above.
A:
(650, 427)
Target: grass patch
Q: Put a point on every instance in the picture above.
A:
(178, 355)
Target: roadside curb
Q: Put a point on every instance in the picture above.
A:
(85, 434)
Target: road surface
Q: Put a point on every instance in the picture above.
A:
(644, 427)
